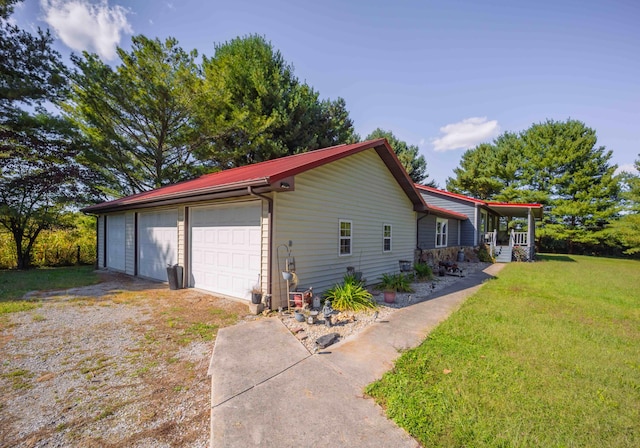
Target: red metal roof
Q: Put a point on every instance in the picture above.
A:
(264, 174)
(496, 206)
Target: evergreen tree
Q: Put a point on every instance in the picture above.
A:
(409, 155)
(554, 163)
(139, 116)
(253, 108)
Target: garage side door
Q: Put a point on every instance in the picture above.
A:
(115, 242)
(225, 248)
(157, 243)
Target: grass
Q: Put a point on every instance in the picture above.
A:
(15, 284)
(546, 355)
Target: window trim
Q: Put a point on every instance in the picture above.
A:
(345, 238)
(444, 233)
(386, 238)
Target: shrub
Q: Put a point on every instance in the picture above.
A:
(484, 255)
(397, 282)
(351, 295)
(520, 253)
(423, 271)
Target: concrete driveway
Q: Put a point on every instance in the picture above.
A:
(269, 391)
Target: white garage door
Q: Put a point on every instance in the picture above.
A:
(115, 242)
(157, 243)
(225, 248)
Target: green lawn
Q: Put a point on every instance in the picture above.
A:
(547, 355)
(14, 284)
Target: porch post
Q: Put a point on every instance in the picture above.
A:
(531, 237)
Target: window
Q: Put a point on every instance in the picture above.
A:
(344, 239)
(386, 238)
(442, 229)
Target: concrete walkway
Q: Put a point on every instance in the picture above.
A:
(269, 391)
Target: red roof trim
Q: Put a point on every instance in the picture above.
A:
(450, 213)
(513, 204)
(476, 201)
(448, 193)
(266, 174)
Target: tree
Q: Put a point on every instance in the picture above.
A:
(556, 163)
(409, 155)
(253, 108)
(39, 174)
(139, 116)
(627, 229)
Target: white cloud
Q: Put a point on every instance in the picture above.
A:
(84, 26)
(466, 134)
(627, 167)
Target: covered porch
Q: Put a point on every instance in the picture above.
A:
(508, 241)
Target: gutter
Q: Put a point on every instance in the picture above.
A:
(269, 246)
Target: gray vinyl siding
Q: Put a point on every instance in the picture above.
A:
(100, 241)
(360, 189)
(427, 232)
(130, 243)
(468, 227)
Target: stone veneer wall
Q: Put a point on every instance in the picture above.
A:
(434, 256)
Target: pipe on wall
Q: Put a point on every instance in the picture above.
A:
(270, 218)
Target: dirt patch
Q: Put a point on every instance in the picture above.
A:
(119, 364)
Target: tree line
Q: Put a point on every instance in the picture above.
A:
(71, 136)
(559, 164)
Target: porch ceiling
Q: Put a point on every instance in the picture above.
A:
(516, 210)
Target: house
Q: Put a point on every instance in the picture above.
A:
(486, 223)
(314, 214)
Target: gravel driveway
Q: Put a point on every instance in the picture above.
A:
(119, 364)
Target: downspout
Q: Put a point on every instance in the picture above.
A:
(270, 218)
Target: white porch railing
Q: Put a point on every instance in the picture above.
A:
(519, 239)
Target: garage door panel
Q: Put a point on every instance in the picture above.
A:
(116, 245)
(227, 259)
(157, 243)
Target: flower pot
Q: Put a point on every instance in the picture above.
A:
(389, 296)
(299, 316)
(256, 297)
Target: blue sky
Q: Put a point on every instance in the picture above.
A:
(443, 75)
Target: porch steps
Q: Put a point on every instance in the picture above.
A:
(503, 254)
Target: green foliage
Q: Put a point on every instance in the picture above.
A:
(484, 255)
(409, 155)
(351, 295)
(423, 271)
(139, 116)
(545, 355)
(398, 282)
(253, 108)
(557, 164)
(40, 176)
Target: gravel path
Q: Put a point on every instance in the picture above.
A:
(349, 323)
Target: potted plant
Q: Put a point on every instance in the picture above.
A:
(388, 285)
(393, 283)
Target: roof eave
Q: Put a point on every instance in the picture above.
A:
(217, 192)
